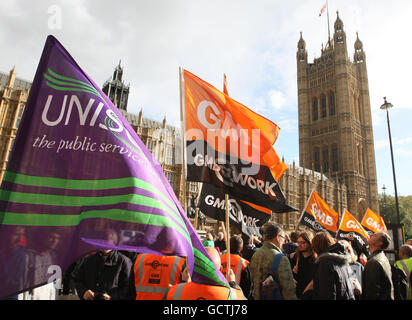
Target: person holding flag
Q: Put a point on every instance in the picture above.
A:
(239, 265)
(303, 262)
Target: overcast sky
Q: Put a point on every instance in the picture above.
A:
(253, 42)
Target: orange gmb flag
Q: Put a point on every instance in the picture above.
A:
(270, 158)
(242, 162)
(212, 115)
(273, 162)
(318, 216)
(350, 229)
(373, 222)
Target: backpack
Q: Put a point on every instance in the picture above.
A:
(269, 287)
(400, 283)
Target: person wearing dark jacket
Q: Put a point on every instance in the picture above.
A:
(290, 246)
(248, 247)
(303, 262)
(377, 275)
(105, 275)
(332, 278)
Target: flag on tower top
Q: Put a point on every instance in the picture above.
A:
(322, 10)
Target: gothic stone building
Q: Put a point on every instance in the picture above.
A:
(335, 123)
(13, 97)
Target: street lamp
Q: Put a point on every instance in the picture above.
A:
(384, 200)
(386, 106)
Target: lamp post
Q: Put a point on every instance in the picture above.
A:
(384, 200)
(386, 106)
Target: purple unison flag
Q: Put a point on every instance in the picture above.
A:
(79, 180)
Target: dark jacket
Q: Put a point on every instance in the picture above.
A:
(248, 251)
(221, 244)
(111, 274)
(306, 271)
(289, 248)
(332, 278)
(377, 278)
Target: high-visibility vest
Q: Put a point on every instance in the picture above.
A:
(196, 291)
(155, 274)
(237, 264)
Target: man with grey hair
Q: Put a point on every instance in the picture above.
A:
(220, 242)
(377, 275)
(261, 262)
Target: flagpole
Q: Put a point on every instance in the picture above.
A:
(196, 218)
(340, 224)
(327, 13)
(183, 124)
(227, 234)
(303, 211)
(227, 201)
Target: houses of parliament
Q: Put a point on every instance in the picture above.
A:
(336, 148)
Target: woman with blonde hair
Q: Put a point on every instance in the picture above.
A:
(357, 268)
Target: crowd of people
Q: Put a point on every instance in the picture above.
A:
(300, 265)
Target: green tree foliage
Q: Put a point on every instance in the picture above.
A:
(387, 207)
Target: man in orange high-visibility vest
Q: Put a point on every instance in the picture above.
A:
(238, 264)
(155, 274)
(195, 291)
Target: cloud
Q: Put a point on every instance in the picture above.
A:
(288, 124)
(277, 99)
(403, 152)
(380, 144)
(404, 141)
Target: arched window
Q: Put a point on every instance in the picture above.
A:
(355, 107)
(360, 160)
(360, 109)
(332, 109)
(316, 158)
(315, 109)
(325, 159)
(335, 161)
(323, 106)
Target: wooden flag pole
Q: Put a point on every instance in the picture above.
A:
(227, 234)
(196, 218)
(183, 125)
(303, 212)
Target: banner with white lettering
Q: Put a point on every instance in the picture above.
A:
(246, 216)
(350, 229)
(204, 164)
(230, 146)
(318, 216)
(373, 223)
